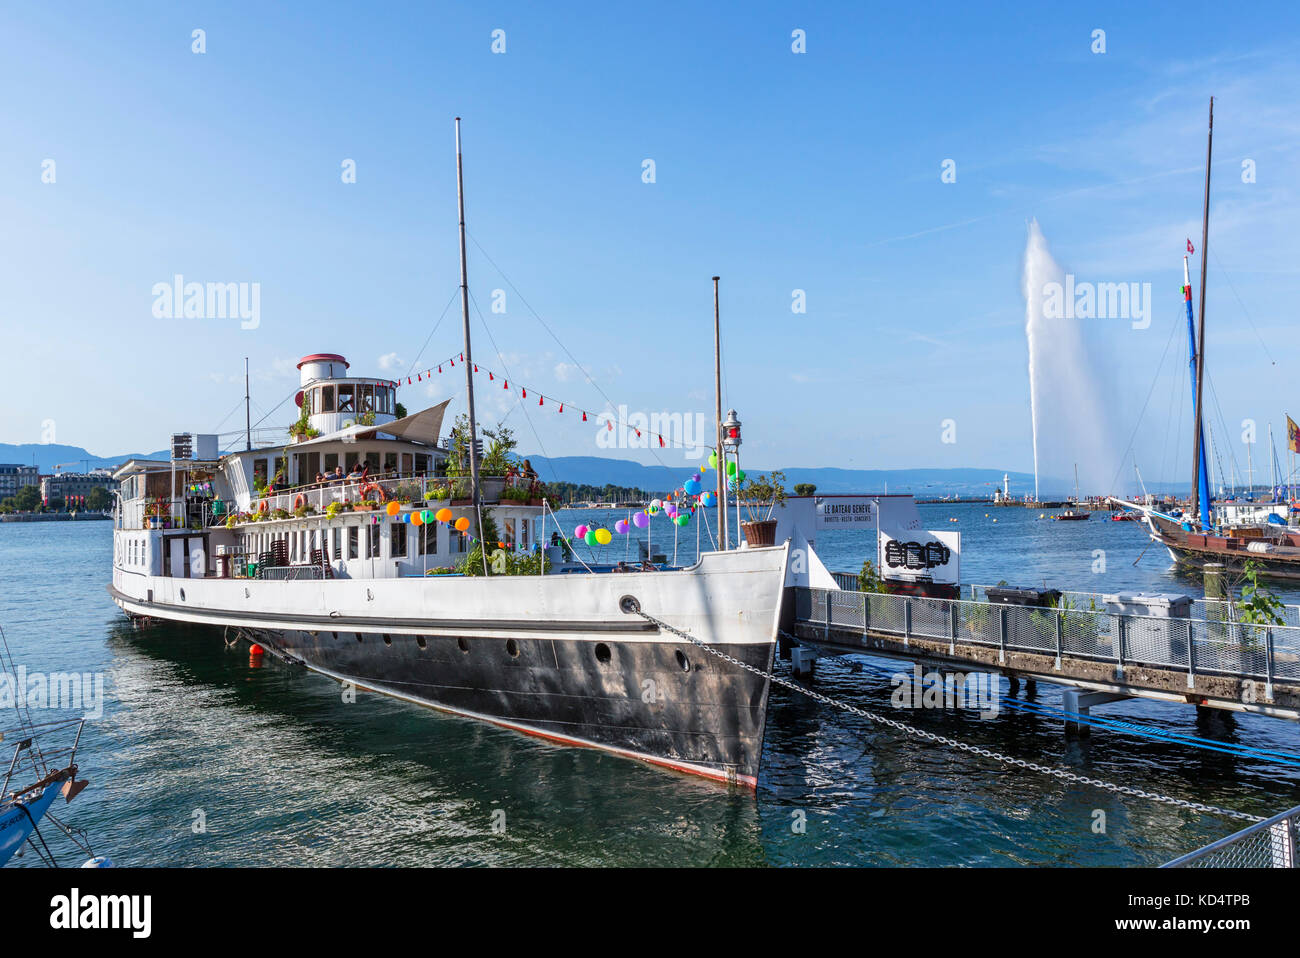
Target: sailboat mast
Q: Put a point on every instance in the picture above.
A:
(469, 355)
(717, 410)
(1198, 506)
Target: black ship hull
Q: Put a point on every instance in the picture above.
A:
(668, 703)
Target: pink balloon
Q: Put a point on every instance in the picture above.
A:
(579, 532)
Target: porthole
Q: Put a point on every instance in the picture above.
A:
(682, 662)
(388, 639)
(336, 635)
(358, 635)
(182, 595)
(512, 647)
(462, 645)
(602, 653)
(419, 640)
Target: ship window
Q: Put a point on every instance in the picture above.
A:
(350, 461)
(462, 645)
(352, 542)
(398, 545)
(372, 542)
(512, 647)
(346, 403)
(366, 397)
(372, 460)
(421, 463)
(259, 472)
(419, 640)
(338, 543)
(602, 653)
(390, 462)
(407, 463)
(327, 399)
(331, 461)
(388, 639)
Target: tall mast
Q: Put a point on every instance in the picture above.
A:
(469, 356)
(717, 410)
(1199, 505)
(248, 416)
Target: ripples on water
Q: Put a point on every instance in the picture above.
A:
(285, 773)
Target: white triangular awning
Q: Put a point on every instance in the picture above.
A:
(424, 427)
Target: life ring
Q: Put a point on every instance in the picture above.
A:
(264, 506)
(374, 487)
(299, 501)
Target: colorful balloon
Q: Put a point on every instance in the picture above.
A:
(692, 487)
(713, 460)
(603, 536)
(442, 515)
(579, 531)
(640, 520)
(590, 537)
(621, 527)
(681, 519)
(731, 468)
(393, 508)
(416, 519)
(462, 524)
(427, 516)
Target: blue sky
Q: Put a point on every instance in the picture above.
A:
(779, 171)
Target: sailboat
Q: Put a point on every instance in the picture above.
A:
(1075, 514)
(338, 576)
(1210, 533)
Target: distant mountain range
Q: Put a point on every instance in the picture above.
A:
(46, 456)
(599, 471)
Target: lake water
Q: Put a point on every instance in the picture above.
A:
(278, 770)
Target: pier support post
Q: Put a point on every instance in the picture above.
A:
(1013, 685)
(1079, 702)
(802, 659)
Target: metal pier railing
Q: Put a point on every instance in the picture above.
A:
(1268, 844)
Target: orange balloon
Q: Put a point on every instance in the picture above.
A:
(415, 519)
(443, 515)
(394, 508)
(462, 524)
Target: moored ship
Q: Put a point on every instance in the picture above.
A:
(373, 551)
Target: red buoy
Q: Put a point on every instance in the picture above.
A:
(256, 651)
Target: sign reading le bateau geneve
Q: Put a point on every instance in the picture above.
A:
(845, 513)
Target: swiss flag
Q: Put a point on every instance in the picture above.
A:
(1190, 247)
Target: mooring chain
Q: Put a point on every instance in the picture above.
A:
(1061, 773)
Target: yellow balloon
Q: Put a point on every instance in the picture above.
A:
(443, 515)
(603, 536)
(462, 524)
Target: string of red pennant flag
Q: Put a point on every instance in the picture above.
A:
(522, 392)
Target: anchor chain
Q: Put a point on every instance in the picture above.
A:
(1060, 773)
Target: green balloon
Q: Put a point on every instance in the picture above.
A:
(741, 475)
(731, 468)
(427, 516)
(713, 460)
(682, 519)
(590, 537)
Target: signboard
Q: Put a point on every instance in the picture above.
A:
(846, 512)
(918, 555)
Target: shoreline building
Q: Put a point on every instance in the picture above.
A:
(14, 476)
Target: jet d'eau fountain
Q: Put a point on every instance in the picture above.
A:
(1070, 398)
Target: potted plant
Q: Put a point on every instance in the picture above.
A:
(761, 497)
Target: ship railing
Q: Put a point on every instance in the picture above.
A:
(1266, 653)
(415, 491)
(1272, 843)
